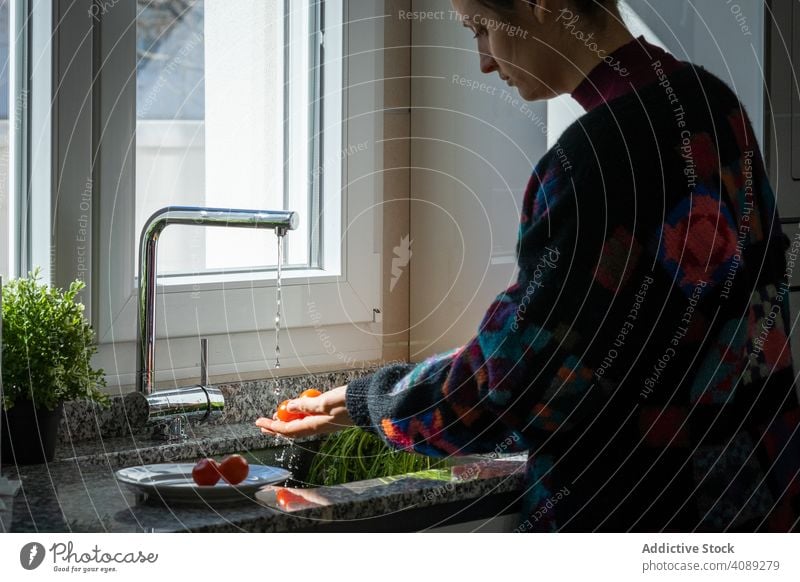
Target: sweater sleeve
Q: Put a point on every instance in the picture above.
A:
(520, 378)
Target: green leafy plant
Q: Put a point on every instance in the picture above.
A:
(354, 454)
(47, 345)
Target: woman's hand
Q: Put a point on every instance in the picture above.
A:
(326, 413)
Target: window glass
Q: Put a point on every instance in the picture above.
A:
(212, 127)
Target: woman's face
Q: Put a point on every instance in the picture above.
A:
(523, 50)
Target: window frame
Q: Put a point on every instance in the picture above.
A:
(345, 289)
(30, 199)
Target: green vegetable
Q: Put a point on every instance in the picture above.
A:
(47, 345)
(353, 454)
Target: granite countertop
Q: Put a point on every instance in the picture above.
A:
(79, 493)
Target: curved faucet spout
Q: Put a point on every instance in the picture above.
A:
(279, 220)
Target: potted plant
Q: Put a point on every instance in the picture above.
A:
(47, 346)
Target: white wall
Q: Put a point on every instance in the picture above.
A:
(724, 36)
(472, 154)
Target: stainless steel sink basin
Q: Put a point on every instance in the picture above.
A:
(440, 510)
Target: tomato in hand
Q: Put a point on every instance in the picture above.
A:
(286, 416)
(234, 469)
(206, 472)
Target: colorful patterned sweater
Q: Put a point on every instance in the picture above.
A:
(642, 356)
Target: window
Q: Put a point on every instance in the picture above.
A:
(234, 103)
(25, 196)
(226, 104)
(6, 222)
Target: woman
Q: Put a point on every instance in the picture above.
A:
(642, 356)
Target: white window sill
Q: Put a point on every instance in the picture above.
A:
(244, 279)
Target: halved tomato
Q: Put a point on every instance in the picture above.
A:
(285, 497)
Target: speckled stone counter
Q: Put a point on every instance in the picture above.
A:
(79, 493)
(244, 401)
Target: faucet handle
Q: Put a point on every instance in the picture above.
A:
(203, 361)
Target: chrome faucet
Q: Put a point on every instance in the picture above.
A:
(199, 401)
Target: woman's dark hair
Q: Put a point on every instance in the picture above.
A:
(590, 8)
(593, 7)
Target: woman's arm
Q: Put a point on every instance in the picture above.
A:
(607, 290)
(512, 384)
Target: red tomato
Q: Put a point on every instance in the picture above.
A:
(310, 393)
(285, 497)
(206, 472)
(234, 469)
(285, 415)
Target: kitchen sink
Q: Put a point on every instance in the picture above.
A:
(295, 457)
(426, 500)
(298, 458)
(493, 512)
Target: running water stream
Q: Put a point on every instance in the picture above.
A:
(278, 302)
(294, 454)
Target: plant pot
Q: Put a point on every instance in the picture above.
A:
(29, 434)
